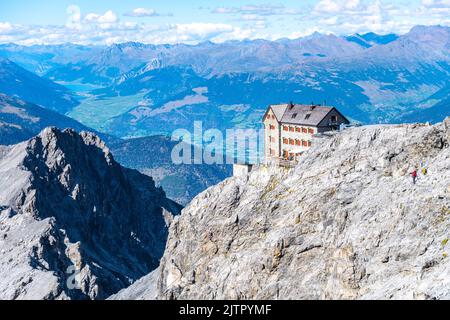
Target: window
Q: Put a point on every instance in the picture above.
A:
(294, 115)
(272, 127)
(272, 152)
(304, 130)
(310, 130)
(285, 141)
(334, 118)
(309, 143)
(297, 129)
(297, 142)
(291, 142)
(308, 115)
(304, 143)
(285, 128)
(291, 129)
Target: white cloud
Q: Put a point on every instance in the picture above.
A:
(5, 27)
(351, 16)
(328, 6)
(108, 20)
(250, 21)
(74, 17)
(352, 4)
(93, 29)
(108, 17)
(223, 10)
(142, 12)
(338, 6)
(262, 10)
(201, 31)
(436, 3)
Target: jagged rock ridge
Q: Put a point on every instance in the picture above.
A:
(347, 223)
(65, 203)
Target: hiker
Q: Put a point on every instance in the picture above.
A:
(414, 176)
(424, 171)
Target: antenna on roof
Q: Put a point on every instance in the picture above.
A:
(291, 105)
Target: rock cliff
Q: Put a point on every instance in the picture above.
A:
(74, 224)
(346, 223)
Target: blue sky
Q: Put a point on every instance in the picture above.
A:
(176, 21)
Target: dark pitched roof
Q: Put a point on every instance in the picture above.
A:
(300, 114)
(303, 114)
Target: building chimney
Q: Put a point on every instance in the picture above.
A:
(291, 105)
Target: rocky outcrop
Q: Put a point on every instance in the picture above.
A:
(74, 224)
(143, 289)
(346, 223)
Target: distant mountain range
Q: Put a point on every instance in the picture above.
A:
(135, 90)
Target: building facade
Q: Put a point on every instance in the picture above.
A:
(289, 128)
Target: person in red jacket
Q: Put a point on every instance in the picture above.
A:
(414, 176)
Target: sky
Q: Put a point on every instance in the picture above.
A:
(31, 22)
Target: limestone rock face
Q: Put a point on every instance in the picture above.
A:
(74, 224)
(346, 223)
(142, 289)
